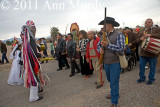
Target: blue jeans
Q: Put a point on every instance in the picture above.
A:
(113, 75)
(52, 53)
(152, 63)
(4, 57)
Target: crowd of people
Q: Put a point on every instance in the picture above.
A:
(87, 50)
(91, 46)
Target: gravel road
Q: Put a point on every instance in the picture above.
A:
(64, 91)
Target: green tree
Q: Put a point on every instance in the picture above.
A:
(8, 43)
(54, 32)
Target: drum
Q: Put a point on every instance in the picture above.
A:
(151, 45)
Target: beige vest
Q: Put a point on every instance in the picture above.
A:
(92, 52)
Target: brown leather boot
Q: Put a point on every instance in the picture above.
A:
(113, 105)
(108, 96)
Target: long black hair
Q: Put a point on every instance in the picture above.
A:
(18, 48)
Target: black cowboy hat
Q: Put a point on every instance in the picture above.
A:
(109, 20)
(126, 28)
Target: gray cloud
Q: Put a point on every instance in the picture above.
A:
(86, 13)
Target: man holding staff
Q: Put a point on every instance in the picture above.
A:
(115, 42)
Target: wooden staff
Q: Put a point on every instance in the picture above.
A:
(104, 38)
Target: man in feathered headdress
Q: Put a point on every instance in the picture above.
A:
(32, 73)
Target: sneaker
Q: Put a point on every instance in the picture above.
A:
(146, 67)
(67, 67)
(86, 77)
(108, 96)
(59, 69)
(71, 75)
(149, 82)
(77, 72)
(113, 105)
(39, 91)
(97, 83)
(40, 98)
(139, 80)
(98, 86)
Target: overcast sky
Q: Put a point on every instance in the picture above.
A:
(60, 13)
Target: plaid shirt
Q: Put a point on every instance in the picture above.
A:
(118, 47)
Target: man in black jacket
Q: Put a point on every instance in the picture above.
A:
(60, 51)
(3, 51)
(71, 51)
